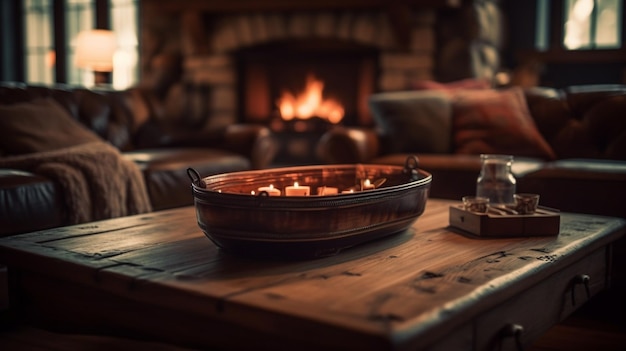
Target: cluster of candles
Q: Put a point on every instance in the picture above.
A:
(305, 190)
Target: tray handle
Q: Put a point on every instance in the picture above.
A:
(195, 178)
(411, 166)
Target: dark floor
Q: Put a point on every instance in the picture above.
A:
(600, 325)
(34, 339)
(582, 335)
(574, 334)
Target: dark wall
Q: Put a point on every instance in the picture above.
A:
(520, 16)
(565, 74)
(11, 48)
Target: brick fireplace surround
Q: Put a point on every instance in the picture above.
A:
(188, 47)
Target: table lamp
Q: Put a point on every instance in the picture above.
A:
(94, 51)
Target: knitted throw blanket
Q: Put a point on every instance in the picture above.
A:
(96, 181)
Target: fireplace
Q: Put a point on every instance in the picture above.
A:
(351, 54)
(406, 41)
(347, 72)
(238, 60)
(301, 88)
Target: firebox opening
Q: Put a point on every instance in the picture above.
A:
(344, 75)
(265, 72)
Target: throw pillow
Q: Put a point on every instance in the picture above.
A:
(414, 121)
(496, 121)
(40, 125)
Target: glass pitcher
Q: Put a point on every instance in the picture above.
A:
(496, 181)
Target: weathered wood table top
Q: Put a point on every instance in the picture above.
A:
(157, 275)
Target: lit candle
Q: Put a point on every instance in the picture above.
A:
(327, 190)
(348, 191)
(366, 185)
(297, 190)
(271, 191)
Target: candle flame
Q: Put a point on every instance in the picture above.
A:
(295, 184)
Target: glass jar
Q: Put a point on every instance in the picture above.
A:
(496, 181)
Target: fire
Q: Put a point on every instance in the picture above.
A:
(310, 103)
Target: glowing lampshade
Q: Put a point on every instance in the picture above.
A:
(95, 49)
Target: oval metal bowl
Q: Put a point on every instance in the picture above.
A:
(243, 222)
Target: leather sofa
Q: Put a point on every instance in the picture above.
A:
(583, 169)
(129, 121)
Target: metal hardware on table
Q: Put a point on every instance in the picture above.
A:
(584, 280)
(515, 330)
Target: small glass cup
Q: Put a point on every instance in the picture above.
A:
(478, 204)
(526, 203)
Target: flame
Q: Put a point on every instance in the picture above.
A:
(310, 103)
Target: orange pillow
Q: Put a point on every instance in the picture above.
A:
(496, 121)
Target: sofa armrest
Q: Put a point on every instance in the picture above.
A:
(348, 145)
(253, 141)
(28, 202)
(591, 186)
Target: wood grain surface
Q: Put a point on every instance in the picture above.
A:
(158, 276)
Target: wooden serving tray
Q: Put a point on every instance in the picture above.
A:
(543, 222)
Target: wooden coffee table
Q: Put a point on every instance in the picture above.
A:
(157, 276)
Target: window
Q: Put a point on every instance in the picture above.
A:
(46, 62)
(592, 24)
(79, 16)
(124, 24)
(586, 24)
(39, 47)
(543, 20)
(561, 43)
